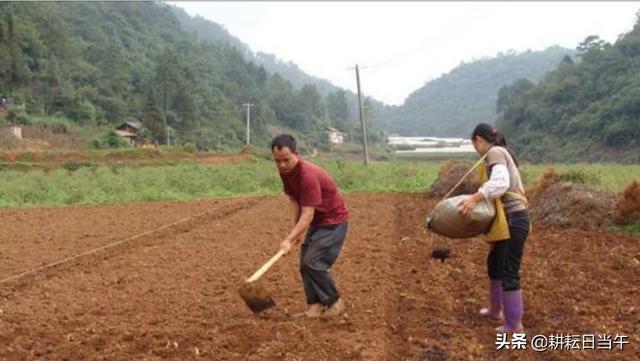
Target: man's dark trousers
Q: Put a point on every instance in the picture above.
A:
(320, 250)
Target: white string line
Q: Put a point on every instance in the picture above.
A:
(95, 250)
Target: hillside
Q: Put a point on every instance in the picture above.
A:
(583, 110)
(101, 63)
(453, 103)
(212, 32)
(345, 116)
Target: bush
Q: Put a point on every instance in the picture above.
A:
(109, 140)
(189, 148)
(17, 114)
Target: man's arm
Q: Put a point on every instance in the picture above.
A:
(306, 216)
(295, 210)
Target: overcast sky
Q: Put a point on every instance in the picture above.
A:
(405, 44)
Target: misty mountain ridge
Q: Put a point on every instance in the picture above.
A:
(452, 104)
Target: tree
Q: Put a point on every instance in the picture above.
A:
(589, 48)
(338, 109)
(310, 109)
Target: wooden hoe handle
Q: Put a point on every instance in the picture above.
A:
(262, 270)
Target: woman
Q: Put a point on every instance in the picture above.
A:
(505, 293)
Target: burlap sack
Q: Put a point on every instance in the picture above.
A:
(446, 221)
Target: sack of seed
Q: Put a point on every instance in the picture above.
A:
(446, 221)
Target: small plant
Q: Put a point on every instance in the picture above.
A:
(74, 166)
(71, 166)
(631, 228)
(190, 148)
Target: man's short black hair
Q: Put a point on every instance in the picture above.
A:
(284, 140)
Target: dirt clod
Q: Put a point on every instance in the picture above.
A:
(441, 253)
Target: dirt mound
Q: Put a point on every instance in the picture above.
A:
(628, 205)
(450, 173)
(549, 176)
(570, 205)
(248, 150)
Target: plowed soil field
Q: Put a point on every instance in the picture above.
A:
(170, 292)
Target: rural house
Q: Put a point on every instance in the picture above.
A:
(335, 136)
(129, 130)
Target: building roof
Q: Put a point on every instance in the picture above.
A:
(135, 125)
(334, 130)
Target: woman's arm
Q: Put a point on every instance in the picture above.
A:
(495, 187)
(498, 183)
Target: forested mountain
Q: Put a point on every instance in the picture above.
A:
(210, 31)
(588, 109)
(108, 62)
(346, 119)
(453, 103)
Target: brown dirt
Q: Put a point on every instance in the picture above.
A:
(628, 205)
(450, 174)
(223, 158)
(564, 204)
(173, 294)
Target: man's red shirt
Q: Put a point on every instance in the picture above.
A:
(312, 186)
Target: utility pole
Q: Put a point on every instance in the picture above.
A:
(166, 129)
(363, 125)
(248, 106)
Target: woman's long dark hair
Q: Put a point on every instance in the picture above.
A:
(493, 136)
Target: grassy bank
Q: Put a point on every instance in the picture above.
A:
(612, 177)
(115, 183)
(122, 183)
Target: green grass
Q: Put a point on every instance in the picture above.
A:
(121, 183)
(18, 166)
(612, 177)
(395, 176)
(629, 228)
(106, 184)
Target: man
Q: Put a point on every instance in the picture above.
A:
(316, 204)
